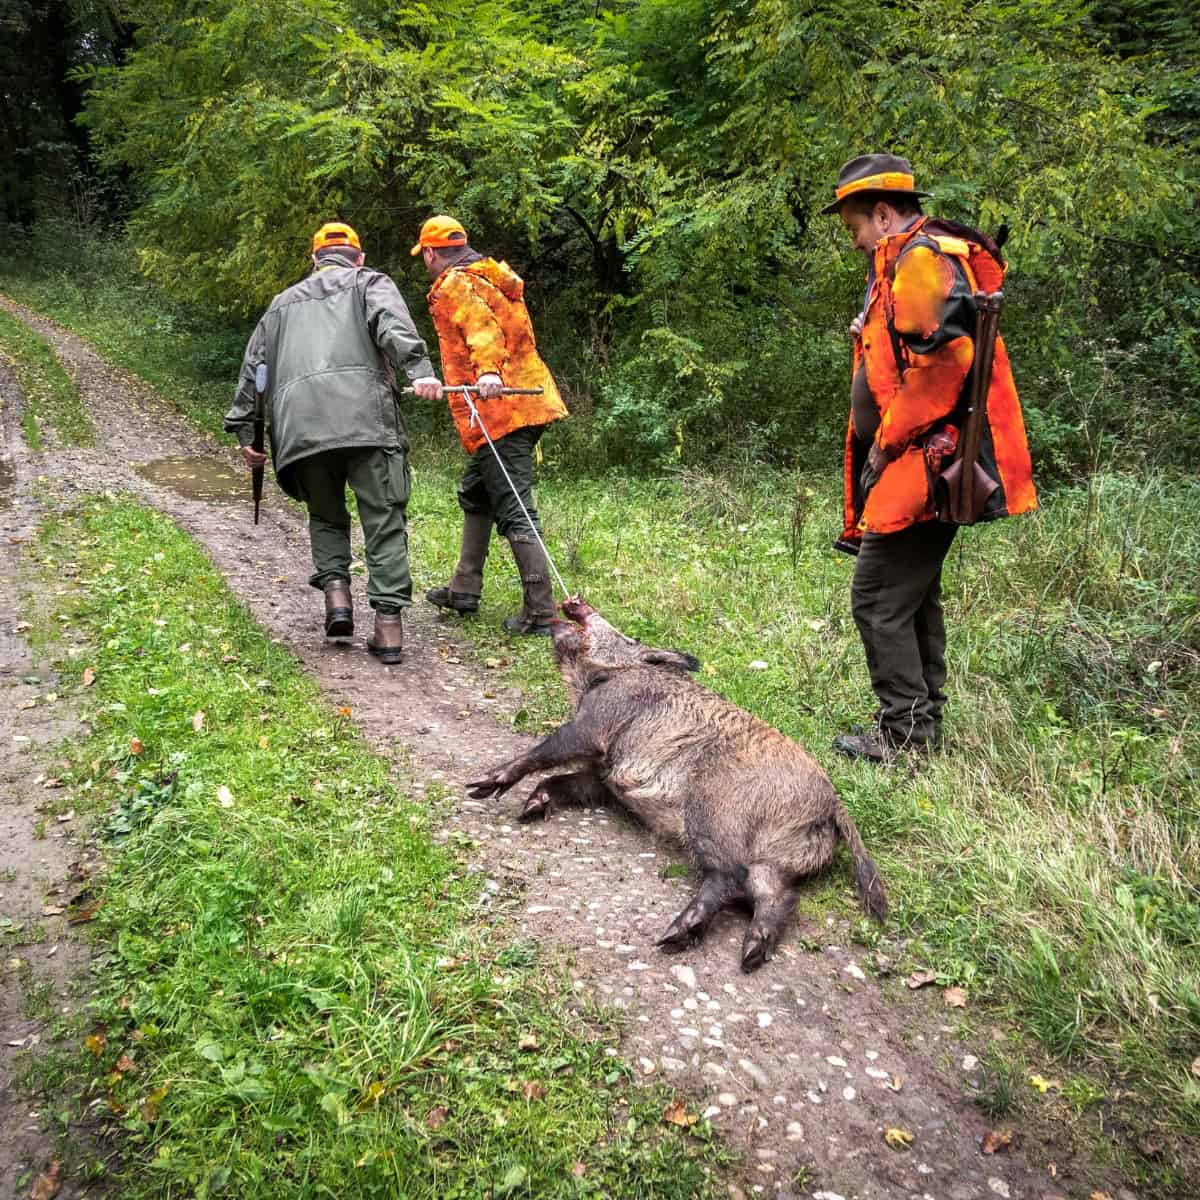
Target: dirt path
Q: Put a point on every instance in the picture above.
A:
(797, 1066)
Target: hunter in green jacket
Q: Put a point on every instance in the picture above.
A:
(332, 345)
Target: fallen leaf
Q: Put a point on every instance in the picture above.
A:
(436, 1117)
(1151, 1147)
(955, 997)
(53, 910)
(898, 1139)
(125, 1064)
(89, 677)
(86, 912)
(996, 1140)
(95, 1042)
(919, 979)
(1043, 1085)
(676, 1114)
(46, 1185)
(150, 1106)
(63, 818)
(533, 1091)
(135, 745)
(224, 797)
(197, 720)
(896, 1083)
(579, 1170)
(527, 1042)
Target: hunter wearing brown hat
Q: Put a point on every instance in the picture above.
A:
(913, 350)
(486, 339)
(332, 345)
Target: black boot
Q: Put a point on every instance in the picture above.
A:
(339, 609)
(466, 584)
(538, 609)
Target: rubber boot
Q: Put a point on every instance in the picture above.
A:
(466, 584)
(387, 642)
(538, 609)
(339, 609)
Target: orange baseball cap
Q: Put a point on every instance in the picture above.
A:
(334, 233)
(439, 232)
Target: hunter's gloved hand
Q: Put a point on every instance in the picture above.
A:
(489, 386)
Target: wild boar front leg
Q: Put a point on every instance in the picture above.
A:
(567, 744)
(581, 789)
(718, 889)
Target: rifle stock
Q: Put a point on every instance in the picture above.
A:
(962, 490)
(259, 442)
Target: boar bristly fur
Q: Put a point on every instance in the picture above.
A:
(752, 809)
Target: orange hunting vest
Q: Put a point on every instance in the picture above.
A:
(919, 394)
(483, 326)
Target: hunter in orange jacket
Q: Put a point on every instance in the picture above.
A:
(913, 352)
(486, 339)
(916, 349)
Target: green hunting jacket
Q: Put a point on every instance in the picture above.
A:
(332, 344)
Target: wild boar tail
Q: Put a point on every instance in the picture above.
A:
(866, 876)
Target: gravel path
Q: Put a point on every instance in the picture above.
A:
(801, 1067)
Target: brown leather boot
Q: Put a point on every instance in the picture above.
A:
(466, 584)
(538, 609)
(387, 642)
(339, 609)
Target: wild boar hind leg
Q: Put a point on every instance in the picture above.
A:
(580, 789)
(719, 889)
(771, 891)
(569, 743)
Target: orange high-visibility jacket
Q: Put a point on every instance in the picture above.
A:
(917, 362)
(483, 327)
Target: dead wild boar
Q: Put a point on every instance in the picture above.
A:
(753, 811)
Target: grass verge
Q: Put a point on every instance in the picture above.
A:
(298, 993)
(50, 394)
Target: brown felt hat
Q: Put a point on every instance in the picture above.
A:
(874, 173)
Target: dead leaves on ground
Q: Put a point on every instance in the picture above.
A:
(46, 1185)
(996, 1140)
(919, 979)
(955, 997)
(677, 1114)
(898, 1139)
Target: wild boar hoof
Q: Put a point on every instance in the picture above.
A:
(756, 950)
(538, 805)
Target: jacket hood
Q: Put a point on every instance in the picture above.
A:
(500, 275)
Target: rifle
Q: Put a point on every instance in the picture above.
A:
(256, 473)
(962, 490)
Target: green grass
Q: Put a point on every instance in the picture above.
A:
(50, 394)
(297, 992)
(1050, 861)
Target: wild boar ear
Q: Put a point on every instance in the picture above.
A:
(677, 660)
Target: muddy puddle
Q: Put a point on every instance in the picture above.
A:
(197, 478)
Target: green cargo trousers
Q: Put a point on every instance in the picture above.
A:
(896, 598)
(380, 481)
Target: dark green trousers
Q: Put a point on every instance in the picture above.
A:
(483, 488)
(381, 483)
(896, 598)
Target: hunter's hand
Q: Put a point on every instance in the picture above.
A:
(428, 388)
(254, 458)
(489, 386)
(856, 326)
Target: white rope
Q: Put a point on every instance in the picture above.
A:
(476, 419)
